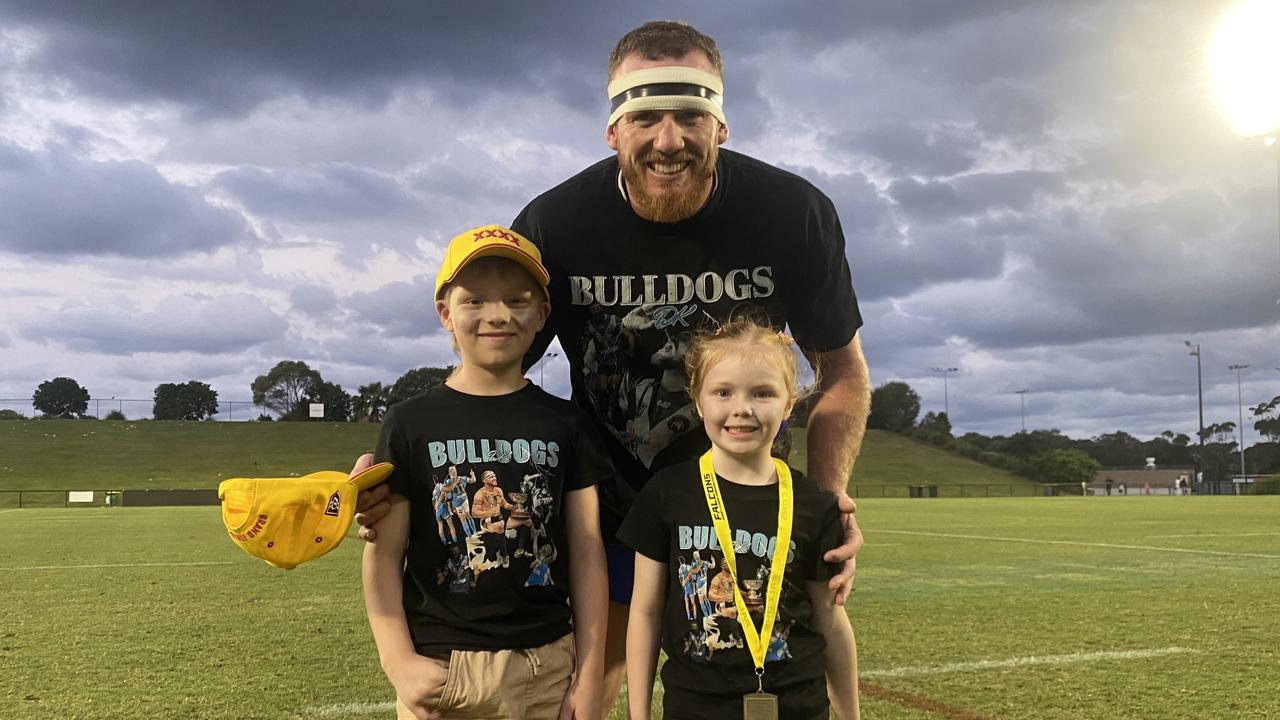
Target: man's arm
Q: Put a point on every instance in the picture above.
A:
(837, 423)
(838, 418)
(840, 656)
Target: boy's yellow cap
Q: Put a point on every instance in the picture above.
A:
(490, 241)
(288, 521)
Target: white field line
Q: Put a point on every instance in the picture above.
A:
(1082, 544)
(912, 670)
(9, 511)
(349, 709)
(115, 565)
(1209, 535)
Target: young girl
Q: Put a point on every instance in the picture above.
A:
(759, 629)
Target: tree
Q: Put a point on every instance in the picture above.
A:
(894, 406)
(1117, 449)
(936, 422)
(1268, 415)
(116, 415)
(1064, 466)
(1029, 444)
(11, 415)
(336, 401)
(371, 402)
(192, 400)
(61, 397)
(416, 382)
(285, 387)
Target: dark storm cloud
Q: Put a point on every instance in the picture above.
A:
(324, 193)
(1188, 262)
(226, 324)
(399, 309)
(912, 149)
(888, 258)
(53, 203)
(970, 195)
(1008, 110)
(467, 174)
(222, 57)
(817, 24)
(312, 300)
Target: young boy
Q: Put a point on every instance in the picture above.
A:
(474, 619)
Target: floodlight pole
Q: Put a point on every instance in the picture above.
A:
(1240, 405)
(1200, 401)
(946, 404)
(1022, 399)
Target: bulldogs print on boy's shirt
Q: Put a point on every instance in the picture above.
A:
(704, 577)
(492, 511)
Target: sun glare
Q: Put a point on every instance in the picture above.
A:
(1245, 52)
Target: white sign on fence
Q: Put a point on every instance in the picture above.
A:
(317, 410)
(79, 496)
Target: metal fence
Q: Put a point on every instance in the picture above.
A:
(138, 409)
(105, 498)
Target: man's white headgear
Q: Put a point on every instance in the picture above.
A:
(673, 87)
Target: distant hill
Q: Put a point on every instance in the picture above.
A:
(116, 455)
(891, 459)
(126, 454)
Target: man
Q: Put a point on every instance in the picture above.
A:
(672, 236)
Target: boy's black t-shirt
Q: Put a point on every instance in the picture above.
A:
(628, 294)
(709, 666)
(486, 567)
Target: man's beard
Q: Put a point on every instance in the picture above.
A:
(668, 207)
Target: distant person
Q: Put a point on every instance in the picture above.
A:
(1146, 488)
(1108, 485)
(1124, 489)
(479, 605)
(776, 630)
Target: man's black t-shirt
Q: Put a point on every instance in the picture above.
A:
(486, 567)
(627, 294)
(709, 666)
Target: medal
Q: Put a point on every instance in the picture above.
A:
(758, 705)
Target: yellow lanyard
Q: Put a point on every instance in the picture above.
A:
(757, 642)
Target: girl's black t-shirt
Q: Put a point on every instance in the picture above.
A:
(709, 667)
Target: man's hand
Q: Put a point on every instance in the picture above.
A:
(419, 683)
(371, 504)
(847, 553)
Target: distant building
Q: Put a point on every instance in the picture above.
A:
(1134, 479)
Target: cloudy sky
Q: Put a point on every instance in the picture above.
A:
(1041, 194)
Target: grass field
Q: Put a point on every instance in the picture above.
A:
(1048, 608)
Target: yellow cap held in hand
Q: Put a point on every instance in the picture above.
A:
(288, 521)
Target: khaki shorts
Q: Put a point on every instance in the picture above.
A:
(505, 684)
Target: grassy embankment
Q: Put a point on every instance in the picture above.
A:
(119, 455)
